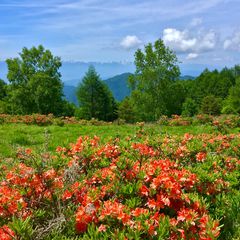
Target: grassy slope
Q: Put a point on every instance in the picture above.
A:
(36, 137)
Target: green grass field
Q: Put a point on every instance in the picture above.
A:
(14, 136)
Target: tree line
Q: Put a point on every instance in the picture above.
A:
(157, 89)
(35, 86)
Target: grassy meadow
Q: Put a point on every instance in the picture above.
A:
(128, 181)
(37, 137)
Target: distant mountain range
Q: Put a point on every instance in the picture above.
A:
(117, 84)
(187, 77)
(70, 94)
(73, 72)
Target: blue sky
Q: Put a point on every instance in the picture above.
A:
(205, 32)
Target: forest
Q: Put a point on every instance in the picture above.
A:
(35, 86)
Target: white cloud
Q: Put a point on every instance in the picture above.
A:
(130, 42)
(196, 22)
(233, 43)
(191, 56)
(178, 40)
(208, 41)
(183, 41)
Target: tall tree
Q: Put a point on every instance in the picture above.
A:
(35, 84)
(95, 99)
(156, 69)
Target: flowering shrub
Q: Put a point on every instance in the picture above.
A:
(38, 119)
(44, 120)
(141, 188)
(221, 123)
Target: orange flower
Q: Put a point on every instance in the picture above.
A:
(201, 156)
(28, 151)
(144, 190)
(6, 233)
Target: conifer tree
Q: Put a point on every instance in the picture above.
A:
(95, 98)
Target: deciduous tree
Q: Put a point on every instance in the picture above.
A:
(156, 69)
(35, 84)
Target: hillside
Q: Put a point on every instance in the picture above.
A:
(119, 86)
(186, 77)
(70, 94)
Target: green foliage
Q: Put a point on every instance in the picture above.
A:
(35, 84)
(212, 83)
(156, 69)
(232, 103)
(215, 83)
(22, 227)
(189, 107)
(3, 92)
(211, 105)
(228, 109)
(95, 99)
(126, 110)
(3, 107)
(68, 109)
(176, 97)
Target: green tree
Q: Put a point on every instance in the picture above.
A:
(68, 109)
(189, 107)
(176, 97)
(3, 97)
(126, 110)
(211, 105)
(156, 69)
(212, 83)
(3, 92)
(232, 103)
(95, 99)
(35, 84)
(236, 71)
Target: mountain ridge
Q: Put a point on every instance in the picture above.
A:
(118, 85)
